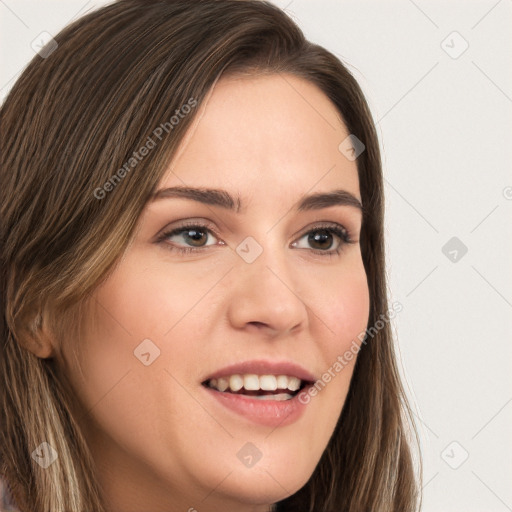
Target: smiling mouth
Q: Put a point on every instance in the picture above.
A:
(260, 387)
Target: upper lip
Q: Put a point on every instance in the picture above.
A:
(262, 367)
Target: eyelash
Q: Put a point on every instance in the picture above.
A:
(338, 230)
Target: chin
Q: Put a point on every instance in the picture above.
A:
(262, 486)
(276, 468)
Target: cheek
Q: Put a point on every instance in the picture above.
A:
(344, 310)
(123, 396)
(343, 303)
(151, 300)
(352, 307)
(154, 302)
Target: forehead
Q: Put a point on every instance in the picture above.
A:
(265, 136)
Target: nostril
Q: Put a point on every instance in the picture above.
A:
(258, 324)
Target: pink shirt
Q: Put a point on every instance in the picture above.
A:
(6, 500)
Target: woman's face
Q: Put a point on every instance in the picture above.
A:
(216, 292)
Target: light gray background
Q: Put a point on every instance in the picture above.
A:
(445, 123)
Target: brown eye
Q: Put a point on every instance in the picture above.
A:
(321, 239)
(195, 237)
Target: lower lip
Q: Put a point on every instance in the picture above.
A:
(271, 413)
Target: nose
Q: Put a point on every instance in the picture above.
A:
(264, 298)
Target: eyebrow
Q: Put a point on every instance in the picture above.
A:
(223, 199)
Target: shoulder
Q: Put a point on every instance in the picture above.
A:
(6, 501)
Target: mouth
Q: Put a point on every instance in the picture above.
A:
(261, 392)
(278, 387)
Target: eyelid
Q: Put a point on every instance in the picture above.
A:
(322, 225)
(189, 223)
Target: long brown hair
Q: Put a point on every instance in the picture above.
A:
(73, 119)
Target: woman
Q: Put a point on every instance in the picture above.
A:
(193, 272)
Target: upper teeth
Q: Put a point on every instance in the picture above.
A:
(252, 382)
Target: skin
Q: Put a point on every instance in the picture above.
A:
(159, 442)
